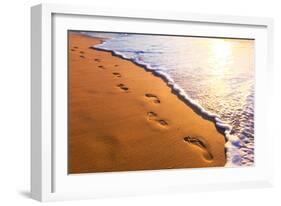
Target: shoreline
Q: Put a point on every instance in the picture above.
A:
(153, 118)
(222, 128)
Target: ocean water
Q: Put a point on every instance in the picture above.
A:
(215, 75)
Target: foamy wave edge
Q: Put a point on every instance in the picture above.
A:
(232, 144)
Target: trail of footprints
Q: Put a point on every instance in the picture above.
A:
(75, 48)
(153, 116)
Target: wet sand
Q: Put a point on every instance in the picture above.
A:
(124, 118)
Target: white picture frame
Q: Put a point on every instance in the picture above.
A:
(50, 181)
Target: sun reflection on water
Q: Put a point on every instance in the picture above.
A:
(221, 49)
(220, 55)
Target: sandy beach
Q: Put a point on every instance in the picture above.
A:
(124, 118)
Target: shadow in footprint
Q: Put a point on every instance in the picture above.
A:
(81, 52)
(72, 49)
(199, 143)
(155, 99)
(123, 87)
(162, 122)
(101, 66)
(116, 65)
(97, 60)
(82, 56)
(116, 74)
(151, 115)
(76, 47)
(154, 117)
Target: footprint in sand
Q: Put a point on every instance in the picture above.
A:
(81, 52)
(76, 47)
(123, 87)
(97, 60)
(116, 74)
(116, 65)
(72, 49)
(101, 66)
(153, 97)
(152, 116)
(199, 143)
(82, 56)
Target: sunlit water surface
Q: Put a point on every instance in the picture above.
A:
(215, 74)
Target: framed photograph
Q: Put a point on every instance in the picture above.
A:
(136, 102)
